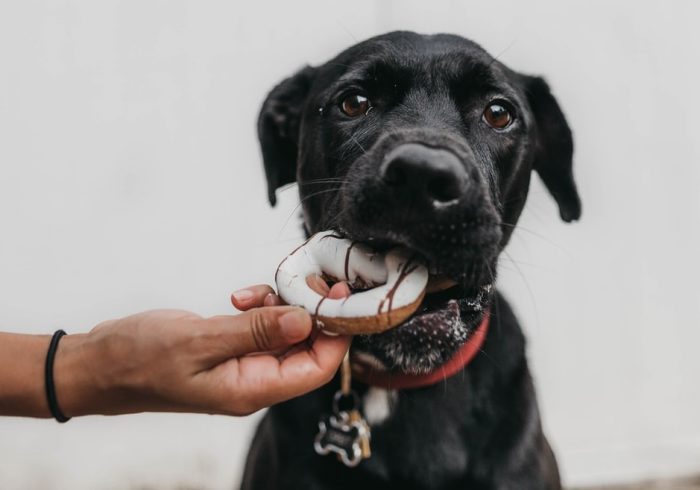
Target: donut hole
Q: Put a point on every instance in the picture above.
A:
(322, 284)
(356, 286)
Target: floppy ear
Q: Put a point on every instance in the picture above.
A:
(278, 129)
(554, 148)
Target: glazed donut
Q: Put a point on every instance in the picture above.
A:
(393, 284)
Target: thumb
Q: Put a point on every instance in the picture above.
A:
(257, 330)
(339, 290)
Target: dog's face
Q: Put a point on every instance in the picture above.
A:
(426, 142)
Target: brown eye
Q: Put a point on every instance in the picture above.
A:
(355, 105)
(497, 116)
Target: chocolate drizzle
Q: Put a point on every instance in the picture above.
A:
(398, 283)
(318, 307)
(347, 260)
(406, 269)
(292, 253)
(400, 271)
(339, 237)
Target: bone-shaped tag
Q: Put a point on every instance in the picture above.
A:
(341, 436)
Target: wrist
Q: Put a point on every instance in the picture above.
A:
(74, 377)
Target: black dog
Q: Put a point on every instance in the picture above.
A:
(427, 142)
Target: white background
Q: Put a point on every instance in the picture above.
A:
(130, 178)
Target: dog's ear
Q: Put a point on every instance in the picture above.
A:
(278, 129)
(554, 148)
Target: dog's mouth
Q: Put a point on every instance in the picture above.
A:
(460, 260)
(447, 316)
(441, 309)
(443, 322)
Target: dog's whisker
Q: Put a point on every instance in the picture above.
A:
(531, 294)
(333, 223)
(286, 187)
(536, 234)
(358, 144)
(352, 142)
(345, 28)
(301, 201)
(313, 194)
(327, 179)
(524, 264)
(322, 181)
(502, 52)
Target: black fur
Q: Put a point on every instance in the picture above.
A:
(479, 429)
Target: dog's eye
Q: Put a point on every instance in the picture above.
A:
(497, 116)
(355, 105)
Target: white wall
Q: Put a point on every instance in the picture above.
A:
(130, 179)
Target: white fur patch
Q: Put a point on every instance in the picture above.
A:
(378, 404)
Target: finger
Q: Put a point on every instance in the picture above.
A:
(316, 282)
(339, 290)
(272, 300)
(258, 330)
(260, 381)
(251, 297)
(297, 374)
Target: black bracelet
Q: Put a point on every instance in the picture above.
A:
(48, 377)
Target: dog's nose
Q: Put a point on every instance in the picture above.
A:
(433, 175)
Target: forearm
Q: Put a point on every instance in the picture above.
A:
(22, 360)
(22, 381)
(171, 361)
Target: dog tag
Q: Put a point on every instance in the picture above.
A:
(339, 435)
(345, 433)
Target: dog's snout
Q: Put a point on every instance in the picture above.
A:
(432, 175)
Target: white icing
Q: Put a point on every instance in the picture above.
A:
(326, 253)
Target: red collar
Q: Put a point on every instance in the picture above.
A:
(401, 381)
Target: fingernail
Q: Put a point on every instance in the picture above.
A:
(243, 295)
(270, 300)
(294, 325)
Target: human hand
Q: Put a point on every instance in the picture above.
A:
(171, 360)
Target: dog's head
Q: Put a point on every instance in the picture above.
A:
(427, 142)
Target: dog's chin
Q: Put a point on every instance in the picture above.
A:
(429, 338)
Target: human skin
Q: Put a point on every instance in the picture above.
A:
(176, 361)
